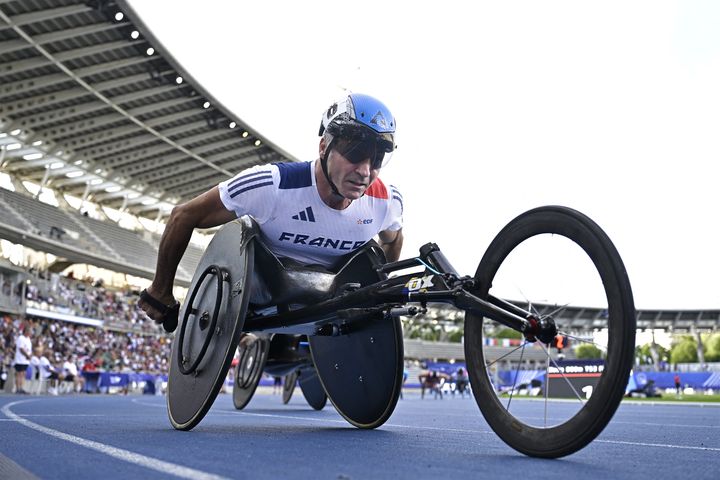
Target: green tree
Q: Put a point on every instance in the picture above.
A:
(588, 351)
(507, 333)
(712, 347)
(644, 356)
(456, 335)
(684, 350)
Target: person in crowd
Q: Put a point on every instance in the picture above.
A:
(461, 382)
(404, 379)
(432, 381)
(48, 374)
(23, 353)
(3, 368)
(70, 373)
(277, 384)
(435, 384)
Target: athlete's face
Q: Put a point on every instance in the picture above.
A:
(351, 179)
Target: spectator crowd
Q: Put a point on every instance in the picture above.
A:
(87, 298)
(65, 348)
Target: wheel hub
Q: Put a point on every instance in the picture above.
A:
(543, 329)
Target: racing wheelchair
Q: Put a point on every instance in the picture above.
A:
(533, 279)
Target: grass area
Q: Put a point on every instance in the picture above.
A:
(671, 397)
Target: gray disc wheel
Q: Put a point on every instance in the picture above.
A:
(289, 386)
(253, 352)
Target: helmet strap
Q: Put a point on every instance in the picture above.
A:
(323, 164)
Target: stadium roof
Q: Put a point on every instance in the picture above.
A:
(92, 105)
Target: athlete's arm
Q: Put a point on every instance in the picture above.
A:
(391, 242)
(204, 211)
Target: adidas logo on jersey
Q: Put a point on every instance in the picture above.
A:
(305, 215)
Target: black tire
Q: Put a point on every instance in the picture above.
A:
(253, 352)
(517, 423)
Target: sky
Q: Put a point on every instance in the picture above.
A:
(611, 108)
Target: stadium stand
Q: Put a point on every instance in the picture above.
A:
(93, 106)
(88, 90)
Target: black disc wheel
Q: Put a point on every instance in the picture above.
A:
(312, 388)
(252, 354)
(550, 392)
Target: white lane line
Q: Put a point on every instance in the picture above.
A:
(118, 453)
(661, 445)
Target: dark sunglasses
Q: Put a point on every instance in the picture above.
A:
(359, 150)
(363, 147)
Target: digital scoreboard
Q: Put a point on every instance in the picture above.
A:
(573, 378)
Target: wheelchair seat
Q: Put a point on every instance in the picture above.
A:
(284, 281)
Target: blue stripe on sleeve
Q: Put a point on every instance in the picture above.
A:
(245, 177)
(399, 199)
(239, 184)
(251, 187)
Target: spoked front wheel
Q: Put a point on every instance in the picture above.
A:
(551, 397)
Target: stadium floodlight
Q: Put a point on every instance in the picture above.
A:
(178, 80)
(17, 131)
(134, 34)
(37, 143)
(56, 165)
(206, 105)
(96, 181)
(232, 125)
(78, 162)
(133, 196)
(257, 143)
(150, 51)
(33, 156)
(113, 189)
(245, 134)
(150, 201)
(75, 174)
(13, 146)
(119, 16)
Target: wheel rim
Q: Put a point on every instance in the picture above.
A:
(248, 365)
(537, 403)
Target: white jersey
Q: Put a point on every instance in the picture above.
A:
(295, 222)
(22, 343)
(46, 367)
(69, 368)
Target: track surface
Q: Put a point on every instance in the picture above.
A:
(120, 437)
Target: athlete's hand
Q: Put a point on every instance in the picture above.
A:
(152, 312)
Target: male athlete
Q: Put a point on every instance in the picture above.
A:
(311, 212)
